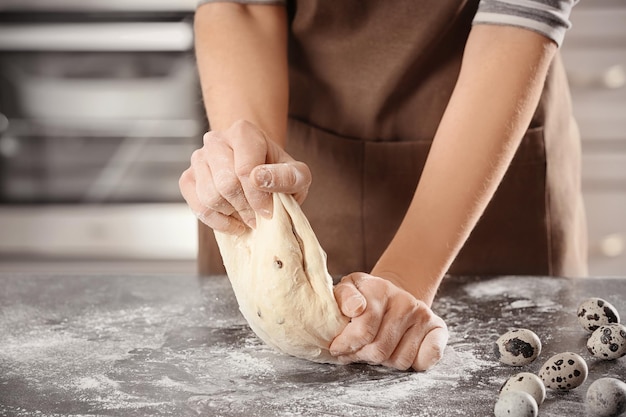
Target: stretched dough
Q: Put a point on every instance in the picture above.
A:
(279, 275)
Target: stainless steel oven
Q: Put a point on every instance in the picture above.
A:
(99, 112)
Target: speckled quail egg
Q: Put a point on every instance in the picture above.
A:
(517, 347)
(564, 371)
(606, 397)
(608, 342)
(516, 404)
(595, 312)
(526, 382)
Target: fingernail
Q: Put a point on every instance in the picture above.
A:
(341, 349)
(265, 213)
(344, 360)
(240, 229)
(353, 306)
(251, 222)
(336, 351)
(433, 362)
(344, 350)
(263, 177)
(437, 358)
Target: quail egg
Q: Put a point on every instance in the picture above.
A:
(516, 404)
(606, 397)
(564, 371)
(608, 341)
(517, 347)
(595, 312)
(526, 382)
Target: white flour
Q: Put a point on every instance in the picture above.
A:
(523, 294)
(513, 287)
(158, 359)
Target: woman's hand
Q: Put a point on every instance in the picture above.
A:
(389, 326)
(232, 176)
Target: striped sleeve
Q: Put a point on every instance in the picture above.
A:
(548, 17)
(279, 2)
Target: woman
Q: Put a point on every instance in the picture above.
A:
(436, 138)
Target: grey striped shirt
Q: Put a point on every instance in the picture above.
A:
(548, 17)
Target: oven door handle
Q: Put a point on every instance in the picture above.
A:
(144, 36)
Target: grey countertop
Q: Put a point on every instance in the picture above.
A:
(169, 345)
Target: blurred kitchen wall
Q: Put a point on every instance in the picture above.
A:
(594, 53)
(100, 111)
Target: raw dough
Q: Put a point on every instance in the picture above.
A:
(279, 275)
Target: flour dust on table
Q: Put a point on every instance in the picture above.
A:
(177, 346)
(172, 349)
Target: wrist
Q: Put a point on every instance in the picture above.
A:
(421, 286)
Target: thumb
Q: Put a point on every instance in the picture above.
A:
(350, 300)
(292, 177)
(432, 348)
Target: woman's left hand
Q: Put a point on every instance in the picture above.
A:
(388, 325)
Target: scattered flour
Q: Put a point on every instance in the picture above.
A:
(166, 359)
(513, 287)
(250, 365)
(95, 383)
(522, 294)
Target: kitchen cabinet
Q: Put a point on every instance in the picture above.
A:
(594, 53)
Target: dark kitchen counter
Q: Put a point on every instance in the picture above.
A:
(138, 345)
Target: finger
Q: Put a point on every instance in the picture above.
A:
(221, 223)
(215, 220)
(431, 349)
(427, 338)
(187, 187)
(403, 357)
(289, 177)
(350, 301)
(419, 321)
(205, 190)
(220, 162)
(249, 146)
(362, 329)
(396, 322)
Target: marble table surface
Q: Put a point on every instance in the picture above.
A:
(176, 345)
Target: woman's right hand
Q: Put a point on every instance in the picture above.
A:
(232, 176)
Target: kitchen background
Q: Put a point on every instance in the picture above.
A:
(100, 110)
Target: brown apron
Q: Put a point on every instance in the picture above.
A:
(369, 83)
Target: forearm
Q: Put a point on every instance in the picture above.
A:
(242, 61)
(500, 82)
